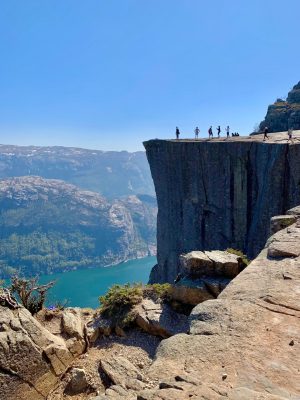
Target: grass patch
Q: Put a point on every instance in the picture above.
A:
(239, 253)
(118, 303)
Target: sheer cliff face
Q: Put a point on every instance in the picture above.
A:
(215, 195)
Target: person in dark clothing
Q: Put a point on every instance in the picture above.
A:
(178, 277)
(218, 130)
(266, 130)
(177, 132)
(210, 132)
(197, 131)
(290, 135)
(227, 131)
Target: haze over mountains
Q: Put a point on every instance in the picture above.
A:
(51, 225)
(111, 173)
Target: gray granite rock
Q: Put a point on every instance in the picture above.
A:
(283, 115)
(218, 194)
(160, 319)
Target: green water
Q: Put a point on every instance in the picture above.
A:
(82, 288)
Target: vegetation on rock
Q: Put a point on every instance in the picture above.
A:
(117, 304)
(239, 253)
(30, 293)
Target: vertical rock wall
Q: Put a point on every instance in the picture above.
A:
(214, 195)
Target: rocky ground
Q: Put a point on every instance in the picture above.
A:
(242, 345)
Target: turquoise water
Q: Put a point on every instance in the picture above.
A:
(82, 288)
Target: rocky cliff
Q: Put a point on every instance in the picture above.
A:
(284, 114)
(219, 194)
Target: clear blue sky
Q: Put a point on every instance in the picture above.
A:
(109, 74)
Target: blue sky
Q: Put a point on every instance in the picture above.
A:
(108, 74)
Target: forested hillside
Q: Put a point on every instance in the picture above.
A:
(50, 225)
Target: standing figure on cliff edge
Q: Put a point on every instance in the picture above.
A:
(227, 131)
(266, 130)
(218, 130)
(177, 132)
(210, 133)
(290, 135)
(197, 131)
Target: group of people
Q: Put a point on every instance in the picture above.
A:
(227, 129)
(210, 132)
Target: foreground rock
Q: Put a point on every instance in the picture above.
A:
(245, 344)
(160, 319)
(78, 382)
(205, 274)
(31, 358)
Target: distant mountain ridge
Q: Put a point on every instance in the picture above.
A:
(111, 173)
(49, 225)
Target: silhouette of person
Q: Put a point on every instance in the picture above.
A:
(218, 130)
(197, 131)
(178, 277)
(290, 134)
(177, 132)
(210, 132)
(266, 130)
(227, 131)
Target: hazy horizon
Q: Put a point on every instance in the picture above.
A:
(110, 75)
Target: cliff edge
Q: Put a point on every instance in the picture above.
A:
(219, 193)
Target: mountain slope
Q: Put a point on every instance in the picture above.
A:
(50, 225)
(113, 174)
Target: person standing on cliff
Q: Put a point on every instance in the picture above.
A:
(197, 131)
(218, 130)
(266, 130)
(177, 132)
(290, 134)
(227, 131)
(210, 132)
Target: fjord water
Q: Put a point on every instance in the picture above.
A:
(83, 287)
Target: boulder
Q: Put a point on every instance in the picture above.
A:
(122, 372)
(225, 264)
(31, 358)
(191, 291)
(78, 382)
(159, 319)
(280, 222)
(204, 275)
(197, 264)
(73, 327)
(285, 243)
